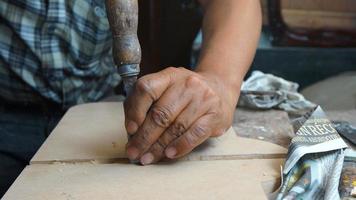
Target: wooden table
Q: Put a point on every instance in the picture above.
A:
(84, 158)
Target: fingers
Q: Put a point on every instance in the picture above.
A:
(147, 90)
(188, 116)
(171, 112)
(195, 135)
(159, 117)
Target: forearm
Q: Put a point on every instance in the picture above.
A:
(231, 30)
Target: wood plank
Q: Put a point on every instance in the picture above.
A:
(328, 6)
(231, 146)
(321, 5)
(95, 132)
(319, 19)
(228, 179)
(89, 131)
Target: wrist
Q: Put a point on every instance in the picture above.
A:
(228, 86)
(230, 71)
(230, 78)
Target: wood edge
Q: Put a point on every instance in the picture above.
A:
(79, 161)
(187, 158)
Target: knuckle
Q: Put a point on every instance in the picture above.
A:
(144, 139)
(183, 70)
(216, 114)
(196, 134)
(210, 94)
(171, 69)
(161, 116)
(144, 86)
(199, 131)
(160, 145)
(178, 129)
(157, 149)
(194, 81)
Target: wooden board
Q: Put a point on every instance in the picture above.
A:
(316, 14)
(83, 159)
(223, 179)
(86, 132)
(320, 14)
(319, 19)
(95, 132)
(321, 5)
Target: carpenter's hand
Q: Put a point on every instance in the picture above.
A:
(171, 112)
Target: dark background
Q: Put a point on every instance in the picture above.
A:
(167, 30)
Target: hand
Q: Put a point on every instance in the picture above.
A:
(171, 112)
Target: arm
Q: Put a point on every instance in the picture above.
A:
(171, 112)
(231, 29)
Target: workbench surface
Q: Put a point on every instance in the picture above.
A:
(84, 158)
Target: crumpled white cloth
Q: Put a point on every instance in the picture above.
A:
(284, 95)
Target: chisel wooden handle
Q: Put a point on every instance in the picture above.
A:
(123, 20)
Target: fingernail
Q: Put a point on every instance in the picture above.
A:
(171, 152)
(131, 127)
(147, 159)
(132, 153)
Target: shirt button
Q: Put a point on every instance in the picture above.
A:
(99, 12)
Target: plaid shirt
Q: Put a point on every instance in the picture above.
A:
(57, 49)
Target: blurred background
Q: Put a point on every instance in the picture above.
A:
(302, 41)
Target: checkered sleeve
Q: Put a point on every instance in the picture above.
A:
(58, 50)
